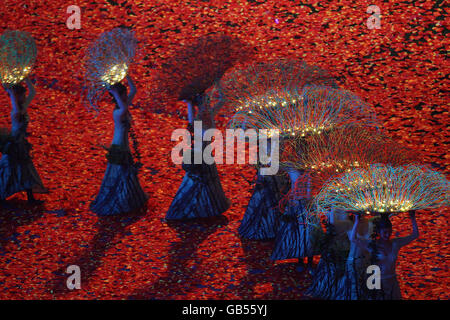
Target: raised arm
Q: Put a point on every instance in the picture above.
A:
(15, 107)
(31, 93)
(403, 241)
(190, 111)
(132, 90)
(363, 244)
(123, 107)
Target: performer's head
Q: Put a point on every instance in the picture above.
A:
(122, 90)
(20, 93)
(384, 227)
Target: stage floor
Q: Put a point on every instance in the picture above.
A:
(399, 69)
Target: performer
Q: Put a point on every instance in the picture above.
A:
(352, 285)
(17, 171)
(334, 253)
(297, 237)
(200, 194)
(385, 250)
(261, 219)
(120, 191)
(257, 97)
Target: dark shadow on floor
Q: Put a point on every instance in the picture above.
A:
(14, 214)
(108, 228)
(181, 278)
(280, 279)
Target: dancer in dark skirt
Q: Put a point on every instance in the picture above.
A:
(334, 251)
(197, 195)
(297, 237)
(200, 194)
(120, 191)
(17, 171)
(288, 238)
(261, 219)
(353, 286)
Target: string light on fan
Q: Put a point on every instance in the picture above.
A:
(115, 74)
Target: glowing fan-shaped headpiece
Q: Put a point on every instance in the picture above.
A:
(268, 83)
(298, 112)
(343, 149)
(17, 56)
(108, 59)
(386, 189)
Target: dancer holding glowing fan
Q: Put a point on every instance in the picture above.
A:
(301, 113)
(200, 194)
(189, 76)
(299, 233)
(324, 156)
(383, 189)
(321, 110)
(249, 88)
(107, 63)
(17, 172)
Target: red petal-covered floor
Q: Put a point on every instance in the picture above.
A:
(399, 69)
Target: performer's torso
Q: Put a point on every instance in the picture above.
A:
(121, 129)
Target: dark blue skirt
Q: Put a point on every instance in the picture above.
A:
(120, 191)
(200, 194)
(17, 171)
(261, 219)
(331, 268)
(294, 238)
